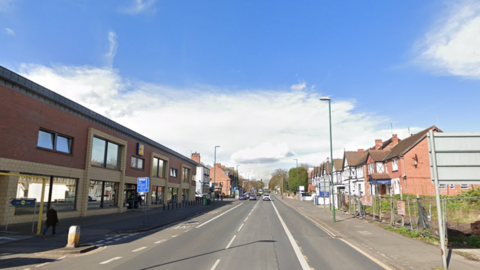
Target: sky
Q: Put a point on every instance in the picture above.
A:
(247, 75)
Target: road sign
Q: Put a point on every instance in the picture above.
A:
(23, 202)
(143, 184)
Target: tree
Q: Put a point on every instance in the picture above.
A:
(302, 178)
(279, 177)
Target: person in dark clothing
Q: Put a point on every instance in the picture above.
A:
(52, 220)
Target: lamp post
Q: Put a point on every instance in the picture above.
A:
(236, 183)
(214, 170)
(331, 151)
(298, 187)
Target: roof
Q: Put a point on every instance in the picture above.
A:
(338, 163)
(378, 155)
(406, 144)
(380, 176)
(356, 158)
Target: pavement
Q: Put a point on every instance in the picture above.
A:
(393, 249)
(19, 238)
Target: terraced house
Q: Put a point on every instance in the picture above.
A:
(83, 163)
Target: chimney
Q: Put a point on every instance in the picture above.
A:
(360, 150)
(196, 157)
(378, 144)
(394, 139)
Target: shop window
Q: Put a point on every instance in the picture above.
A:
(157, 195)
(60, 192)
(137, 163)
(158, 167)
(54, 141)
(102, 194)
(173, 172)
(185, 195)
(105, 154)
(172, 195)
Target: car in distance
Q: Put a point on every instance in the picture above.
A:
(307, 197)
(242, 197)
(266, 197)
(252, 197)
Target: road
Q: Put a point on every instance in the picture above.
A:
(243, 235)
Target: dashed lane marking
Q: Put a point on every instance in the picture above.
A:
(240, 227)
(206, 222)
(138, 249)
(215, 265)
(111, 260)
(158, 242)
(231, 241)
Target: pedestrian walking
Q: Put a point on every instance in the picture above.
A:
(52, 221)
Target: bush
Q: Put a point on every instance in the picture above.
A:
(474, 241)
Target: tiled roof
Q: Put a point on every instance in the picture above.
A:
(338, 163)
(378, 155)
(356, 158)
(406, 144)
(380, 176)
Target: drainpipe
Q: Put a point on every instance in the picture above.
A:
(404, 176)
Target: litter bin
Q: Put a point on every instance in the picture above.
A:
(204, 198)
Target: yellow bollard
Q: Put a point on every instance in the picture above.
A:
(73, 237)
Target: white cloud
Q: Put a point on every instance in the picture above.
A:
(112, 52)
(140, 6)
(260, 130)
(6, 5)
(10, 31)
(453, 45)
(299, 86)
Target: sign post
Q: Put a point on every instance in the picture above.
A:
(143, 184)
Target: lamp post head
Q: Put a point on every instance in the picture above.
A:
(325, 98)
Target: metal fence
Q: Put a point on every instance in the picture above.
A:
(416, 213)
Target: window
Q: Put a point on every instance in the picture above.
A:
(157, 195)
(464, 186)
(442, 186)
(452, 186)
(60, 192)
(370, 168)
(105, 154)
(185, 195)
(54, 141)
(137, 163)
(186, 175)
(158, 167)
(173, 172)
(172, 195)
(380, 167)
(394, 164)
(102, 194)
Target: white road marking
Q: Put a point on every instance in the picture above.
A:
(175, 235)
(231, 242)
(61, 258)
(109, 242)
(245, 219)
(40, 265)
(158, 242)
(138, 249)
(217, 216)
(240, 227)
(99, 245)
(215, 265)
(295, 247)
(111, 260)
(126, 236)
(117, 239)
(100, 241)
(368, 256)
(108, 238)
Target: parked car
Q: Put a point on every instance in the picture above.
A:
(307, 197)
(253, 197)
(266, 197)
(242, 197)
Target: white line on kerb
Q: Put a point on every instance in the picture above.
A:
(111, 260)
(240, 227)
(215, 265)
(40, 265)
(231, 242)
(138, 249)
(295, 247)
(217, 216)
(61, 258)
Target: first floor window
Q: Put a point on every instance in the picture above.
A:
(186, 175)
(102, 194)
(54, 141)
(61, 192)
(137, 163)
(442, 186)
(464, 186)
(173, 172)
(394, 164)
(105, 154)
(158, 167)
(452, 186)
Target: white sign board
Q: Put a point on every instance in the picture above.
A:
(455, 157)
(301, 188)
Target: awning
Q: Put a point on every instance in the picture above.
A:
(380, 179)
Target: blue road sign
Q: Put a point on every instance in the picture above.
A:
(142, 184)
(23, 202)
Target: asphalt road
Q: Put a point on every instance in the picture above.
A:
(243, 235)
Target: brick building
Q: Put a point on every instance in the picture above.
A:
(85, 163)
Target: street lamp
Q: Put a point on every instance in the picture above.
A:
(214, 171)
(331, 151)
(238, 181)
(298, 187)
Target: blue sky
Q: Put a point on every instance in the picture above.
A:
(247, 75)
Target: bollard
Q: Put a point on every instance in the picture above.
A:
(73, 237)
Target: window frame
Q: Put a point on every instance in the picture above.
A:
(394, 165)
(54, 141)
(464, 186)
(137, 159)
(442, 186)
(105, 163)
(156, 164)
(173, 172)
